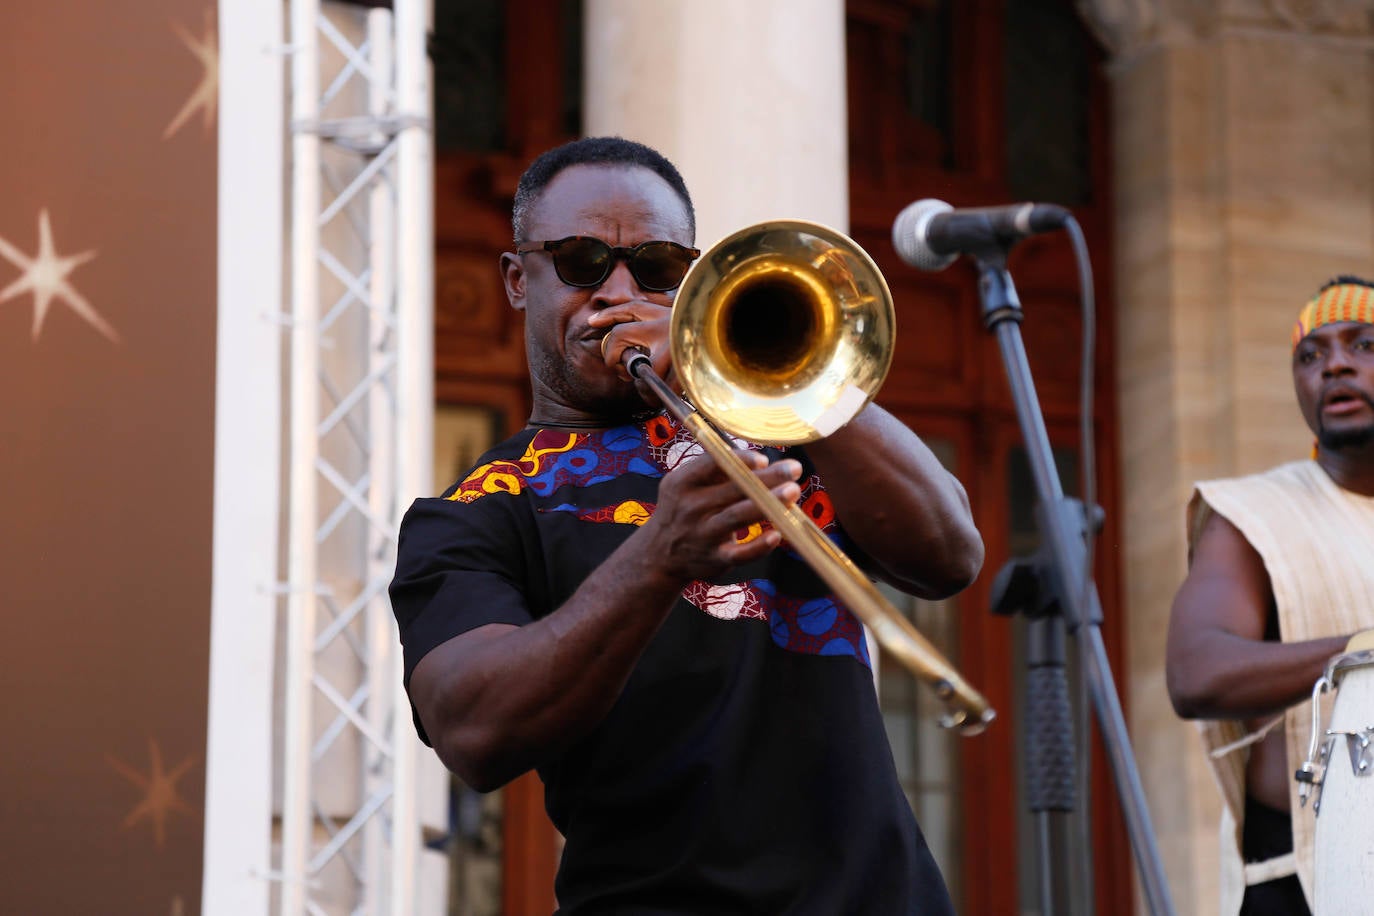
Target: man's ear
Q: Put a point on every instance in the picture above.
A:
(513, 275)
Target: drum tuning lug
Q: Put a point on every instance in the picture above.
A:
(1312, 773)
(1357, 744)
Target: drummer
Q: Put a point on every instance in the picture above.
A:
(1280, 576)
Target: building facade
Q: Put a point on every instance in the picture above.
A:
(1218, 157)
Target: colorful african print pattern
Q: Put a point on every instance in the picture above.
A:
(629, 512)
(816, 626)
(557, 459)
(554, 460)
(1343, 302)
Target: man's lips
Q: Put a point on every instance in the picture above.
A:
(594, 340)
(1343, 399)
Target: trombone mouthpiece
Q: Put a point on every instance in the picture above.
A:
(635, 360)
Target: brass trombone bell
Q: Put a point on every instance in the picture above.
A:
(782, 332)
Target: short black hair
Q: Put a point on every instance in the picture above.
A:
(592, 151)
(1345, 280)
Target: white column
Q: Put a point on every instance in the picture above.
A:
(303, 555)
(747, 99)
(238, 794)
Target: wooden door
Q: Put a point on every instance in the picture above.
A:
(979, 103)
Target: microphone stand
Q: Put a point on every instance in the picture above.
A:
(1051, 771)
(1060, 571)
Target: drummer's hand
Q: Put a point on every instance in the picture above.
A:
(1359, 640)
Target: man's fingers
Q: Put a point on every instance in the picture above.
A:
(626, 313)
(737, 554)
(743, 511)
(704, 467)
(651, 336)
(709, 511)
(778, 472)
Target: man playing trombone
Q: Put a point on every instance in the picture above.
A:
(597, 601)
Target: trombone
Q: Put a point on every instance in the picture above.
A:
(781, 333)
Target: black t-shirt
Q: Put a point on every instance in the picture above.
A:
(744, 768)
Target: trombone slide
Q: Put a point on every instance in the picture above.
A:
(966, 709)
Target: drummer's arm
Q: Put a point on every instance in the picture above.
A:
(1218, 664)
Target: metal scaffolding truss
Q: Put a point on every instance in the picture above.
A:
(360, 415)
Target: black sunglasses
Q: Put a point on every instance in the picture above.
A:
(581, 260)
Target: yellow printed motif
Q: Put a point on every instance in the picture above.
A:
(510, 476)
(632, 513)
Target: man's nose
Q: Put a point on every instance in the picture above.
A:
(618, 287)
(1338, 361)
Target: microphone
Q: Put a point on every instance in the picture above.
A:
(930, 234)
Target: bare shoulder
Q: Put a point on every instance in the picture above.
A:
(1221, 544)
(1227, 585)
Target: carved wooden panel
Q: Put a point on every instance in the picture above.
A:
(477, 333)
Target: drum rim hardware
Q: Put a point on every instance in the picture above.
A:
(1359, 744)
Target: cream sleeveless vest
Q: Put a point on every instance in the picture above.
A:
(1317, 543)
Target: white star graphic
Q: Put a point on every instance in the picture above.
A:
(205, 97)
(45, 275)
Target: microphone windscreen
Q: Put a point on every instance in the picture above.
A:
(909, 235)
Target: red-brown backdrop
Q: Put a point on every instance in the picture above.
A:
(106, 449)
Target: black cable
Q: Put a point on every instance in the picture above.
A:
(1088, 487)
(1088, 468)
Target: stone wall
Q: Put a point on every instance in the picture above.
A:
(1244, 175)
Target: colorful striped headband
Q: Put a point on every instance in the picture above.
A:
(1338, 302)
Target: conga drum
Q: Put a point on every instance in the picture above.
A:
(1337, 776)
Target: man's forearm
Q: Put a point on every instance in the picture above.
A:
(504, 704)
(899, 504)
(1231, 677)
